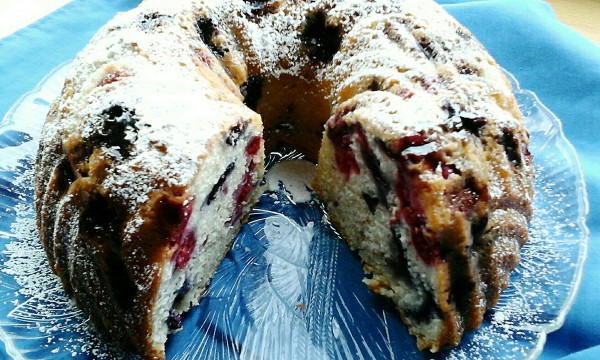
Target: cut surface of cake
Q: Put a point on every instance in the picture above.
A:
(152, 156)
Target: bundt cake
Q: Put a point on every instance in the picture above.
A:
(152, 156)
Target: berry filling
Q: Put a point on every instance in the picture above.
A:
(183, 240)
(466, 198)
(174, 320)
(511, 147)
(116, 121)
(207, 30)
(213, 192)
(253, 146)
(408, 187)
(248, 183)
(112, 77)
(322, 40)
(473, 125)
(341, 134)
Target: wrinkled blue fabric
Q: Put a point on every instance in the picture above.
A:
(524, 36)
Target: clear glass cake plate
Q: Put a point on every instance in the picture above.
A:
(290, 288)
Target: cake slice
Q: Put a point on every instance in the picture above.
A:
(144, 174)
(432, 200)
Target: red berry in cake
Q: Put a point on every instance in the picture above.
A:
(174, 320)
(183, 240)
(341, 134)
(253, 146)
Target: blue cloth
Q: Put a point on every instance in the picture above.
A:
(524, 36)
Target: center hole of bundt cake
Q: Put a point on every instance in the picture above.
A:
(293, 110)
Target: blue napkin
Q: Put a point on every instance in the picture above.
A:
(524, 36)
(32, 52)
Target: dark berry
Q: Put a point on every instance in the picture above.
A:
(511, 146)
(451, 108)
(116, 121)
(252, 91)
(466, 69)
(322, 40)
(253, 145)
(183, 240)
(399, 262)
(427, 49)
(473, 125)
(427, 310)
(207, 30)
(374, 86)
(174, 320)
(151, 21)
(341, 134)
(215, 189)
(234, 134)
(185, 288)
(371, 201)
(374, 166)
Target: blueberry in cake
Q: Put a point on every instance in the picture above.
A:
(151, 157)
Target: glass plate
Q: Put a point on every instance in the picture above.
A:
(290, 288)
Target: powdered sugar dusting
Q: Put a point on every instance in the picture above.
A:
(266, 43)
(38, 318)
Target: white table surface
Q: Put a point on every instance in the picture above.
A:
(15, 14)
